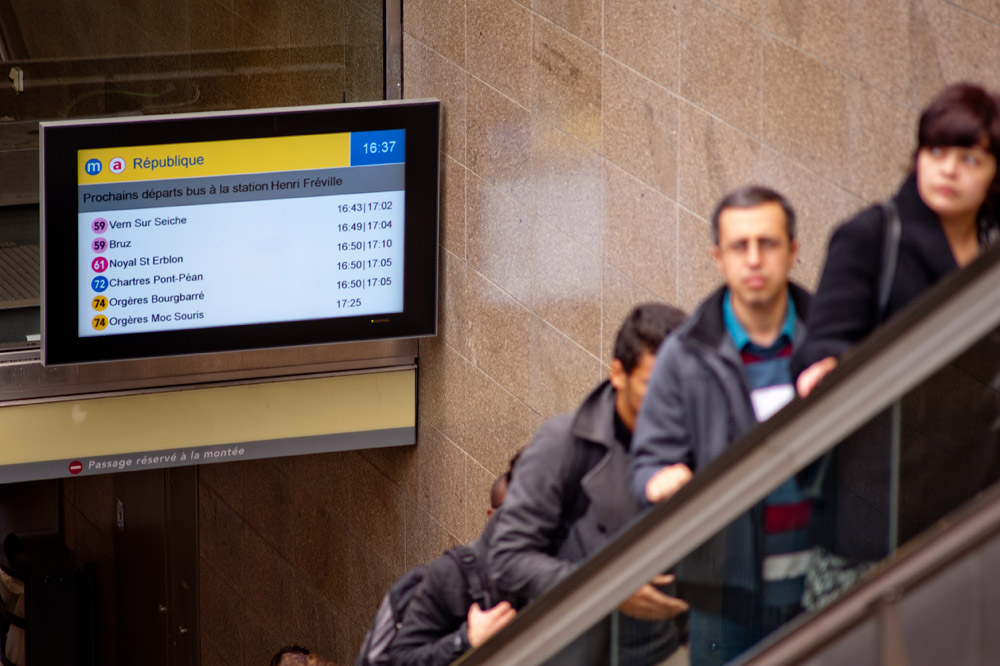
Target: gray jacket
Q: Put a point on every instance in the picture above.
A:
(569, 496)
(696, 406)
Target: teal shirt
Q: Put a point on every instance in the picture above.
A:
(765, 366)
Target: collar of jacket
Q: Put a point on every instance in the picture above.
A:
(594, 421)
(707, 327)
(922, 227)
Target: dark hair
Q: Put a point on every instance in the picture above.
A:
(288, 649)
(498, 491)
(962, 115)
(749, 196)
(645, 327)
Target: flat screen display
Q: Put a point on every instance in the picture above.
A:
(232, 231)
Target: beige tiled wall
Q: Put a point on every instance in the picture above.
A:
(585, 145)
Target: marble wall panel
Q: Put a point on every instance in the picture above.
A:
(986, 9)
(563, 373)
(212, 26)
(398, 463)
(499, 140)
(478, 483)
(566, 286)
(806, 110)
(640, 232)
(499, 335)
(498, 46)
(820, 206)
(640, 127)
(883, 135)
(226, 481)
(452, 208)
(453, 315)
(643, 34)
(223, 619)
(966, 44)
(894, 60)
(714, 158)
(442, 479)
(748, 10)
(439, 25)
(567, 82)
(721, 64)
(581, 17)
(269, 585)
(426, 537)
(376, 502)
(820, 28)
(316, 22)
(499, 423)
(441, 387)
(499, 235)
(221, 536)
(697, 276)
(364, 64)
(567, 184)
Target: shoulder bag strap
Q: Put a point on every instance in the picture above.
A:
(469, 566)
(890, 254)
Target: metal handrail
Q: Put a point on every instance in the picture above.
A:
(958, 311)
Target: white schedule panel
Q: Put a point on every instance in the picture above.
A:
(197, 240)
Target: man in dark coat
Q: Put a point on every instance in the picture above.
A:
(724, 371)
(569, 496)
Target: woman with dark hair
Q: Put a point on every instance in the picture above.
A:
(947, 211)
(943, 216)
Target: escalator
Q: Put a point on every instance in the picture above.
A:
(898, 451)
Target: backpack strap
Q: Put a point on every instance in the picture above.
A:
(401, 592)
(890, 254)
(468, 563)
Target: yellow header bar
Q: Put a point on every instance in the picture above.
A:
(213, 158)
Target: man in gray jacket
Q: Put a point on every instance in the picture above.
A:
(569, 495)
(725, 370)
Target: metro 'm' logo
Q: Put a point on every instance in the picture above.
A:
(93, 167)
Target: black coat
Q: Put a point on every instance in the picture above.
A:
(949, 445)
(845, 307)
(434, 630)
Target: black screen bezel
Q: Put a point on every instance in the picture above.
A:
(59, 182)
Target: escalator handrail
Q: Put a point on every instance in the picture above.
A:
(959, 310)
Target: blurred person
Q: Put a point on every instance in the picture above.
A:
(569, 497)
(723, 372)
(942, 217)
(455, 607)
(498, 491)
(296, 655)
(947, 209)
